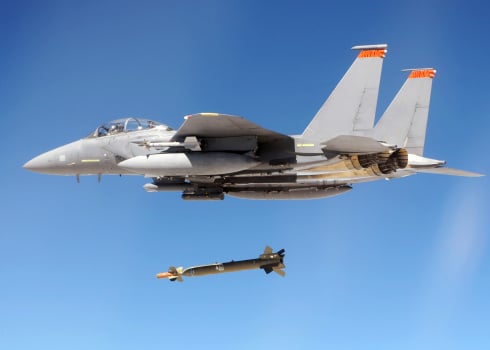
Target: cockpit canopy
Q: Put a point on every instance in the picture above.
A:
(126, 125)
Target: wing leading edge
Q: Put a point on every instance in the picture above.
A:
(221, 125)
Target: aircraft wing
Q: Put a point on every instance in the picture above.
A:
(226, 133)
(217, 125)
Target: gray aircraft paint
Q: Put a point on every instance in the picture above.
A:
(214, 154)
(404, 122)
(351, 107)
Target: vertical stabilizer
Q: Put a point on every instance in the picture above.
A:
(350, 108)
(404, 122)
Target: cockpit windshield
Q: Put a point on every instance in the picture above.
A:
(126, 125)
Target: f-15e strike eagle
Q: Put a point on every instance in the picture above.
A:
(214, 154)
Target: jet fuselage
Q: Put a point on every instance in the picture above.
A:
(214, 154)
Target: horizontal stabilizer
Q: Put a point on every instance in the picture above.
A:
(446, 171)
(350, 144)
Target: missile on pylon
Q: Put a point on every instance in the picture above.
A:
(267, 261)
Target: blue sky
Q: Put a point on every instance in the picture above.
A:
(401, 264)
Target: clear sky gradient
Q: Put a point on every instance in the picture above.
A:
(402, 264)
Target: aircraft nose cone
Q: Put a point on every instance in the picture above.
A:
(58, 161)
(39, 164)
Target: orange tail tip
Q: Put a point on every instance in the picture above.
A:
(422, 73)
(372, 53)
(164, 275)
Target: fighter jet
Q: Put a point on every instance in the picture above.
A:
(214, 154)
(267, 261)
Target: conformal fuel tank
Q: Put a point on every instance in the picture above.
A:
(192, 163)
